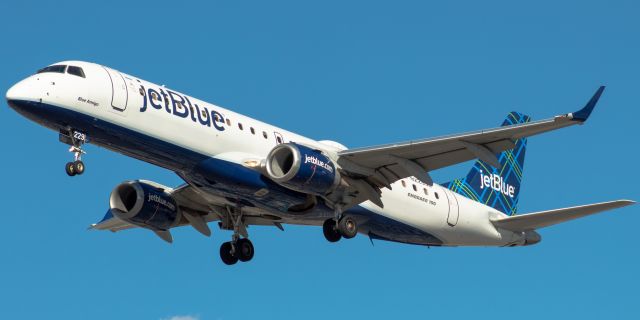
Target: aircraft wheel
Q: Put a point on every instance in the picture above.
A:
(70, 168)
(330, 231)
(348, 227)
(244, 250)
(225, 254)
(78, 167)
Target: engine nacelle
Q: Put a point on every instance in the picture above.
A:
(302, 169)
(144, 205)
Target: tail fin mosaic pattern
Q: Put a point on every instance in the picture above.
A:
(496, 187)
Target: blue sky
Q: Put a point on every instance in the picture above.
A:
(362, 73)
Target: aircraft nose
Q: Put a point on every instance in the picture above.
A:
(19, 91)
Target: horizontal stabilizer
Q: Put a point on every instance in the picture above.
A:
(543, 219)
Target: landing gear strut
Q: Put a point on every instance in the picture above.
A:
(76, 167)
(238, 249)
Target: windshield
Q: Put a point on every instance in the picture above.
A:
(55, 68)
(76, 71)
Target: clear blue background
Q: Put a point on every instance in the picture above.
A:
(363, 73)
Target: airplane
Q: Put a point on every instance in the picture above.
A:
(241, 172)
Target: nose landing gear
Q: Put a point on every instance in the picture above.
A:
(76, 139)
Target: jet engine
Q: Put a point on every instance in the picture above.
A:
(302, 169)
(145, 205)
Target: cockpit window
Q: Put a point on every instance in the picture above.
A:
(56, 68)
(76, 71)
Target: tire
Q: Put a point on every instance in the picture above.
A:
(78, 167)
(330, 232)
(225, 254)
(70, 168)
(348, 227)
(244, 250)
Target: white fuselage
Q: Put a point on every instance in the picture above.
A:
(183, 121)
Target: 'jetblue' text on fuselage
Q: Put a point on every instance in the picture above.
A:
(180, 106)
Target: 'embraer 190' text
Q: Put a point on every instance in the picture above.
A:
(496, 183)
(180, 106)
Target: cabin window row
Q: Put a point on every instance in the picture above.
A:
(156, 97)
(253, 131)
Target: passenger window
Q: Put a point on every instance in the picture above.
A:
(253, 131)
(415, 188)
(437, 197)
(278, 140)
(264, 134)
(425, 192)
(228, 122)
(141, 92)
(55, 69)
(404, 184)
(239, 125)
(76, 71)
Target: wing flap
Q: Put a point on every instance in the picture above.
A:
(536, 220)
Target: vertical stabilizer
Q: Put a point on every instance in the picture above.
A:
(497, 187)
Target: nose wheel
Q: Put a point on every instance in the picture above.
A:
(74, 168)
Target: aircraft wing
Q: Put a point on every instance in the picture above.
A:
(385, 164)
(537, 220)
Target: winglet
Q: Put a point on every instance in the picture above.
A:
(583, 114)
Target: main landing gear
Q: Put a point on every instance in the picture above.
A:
(231, 253)
(238, 249)
(76, 167)
(345, 227)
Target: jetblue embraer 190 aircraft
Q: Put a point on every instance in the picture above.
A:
(240, 172)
